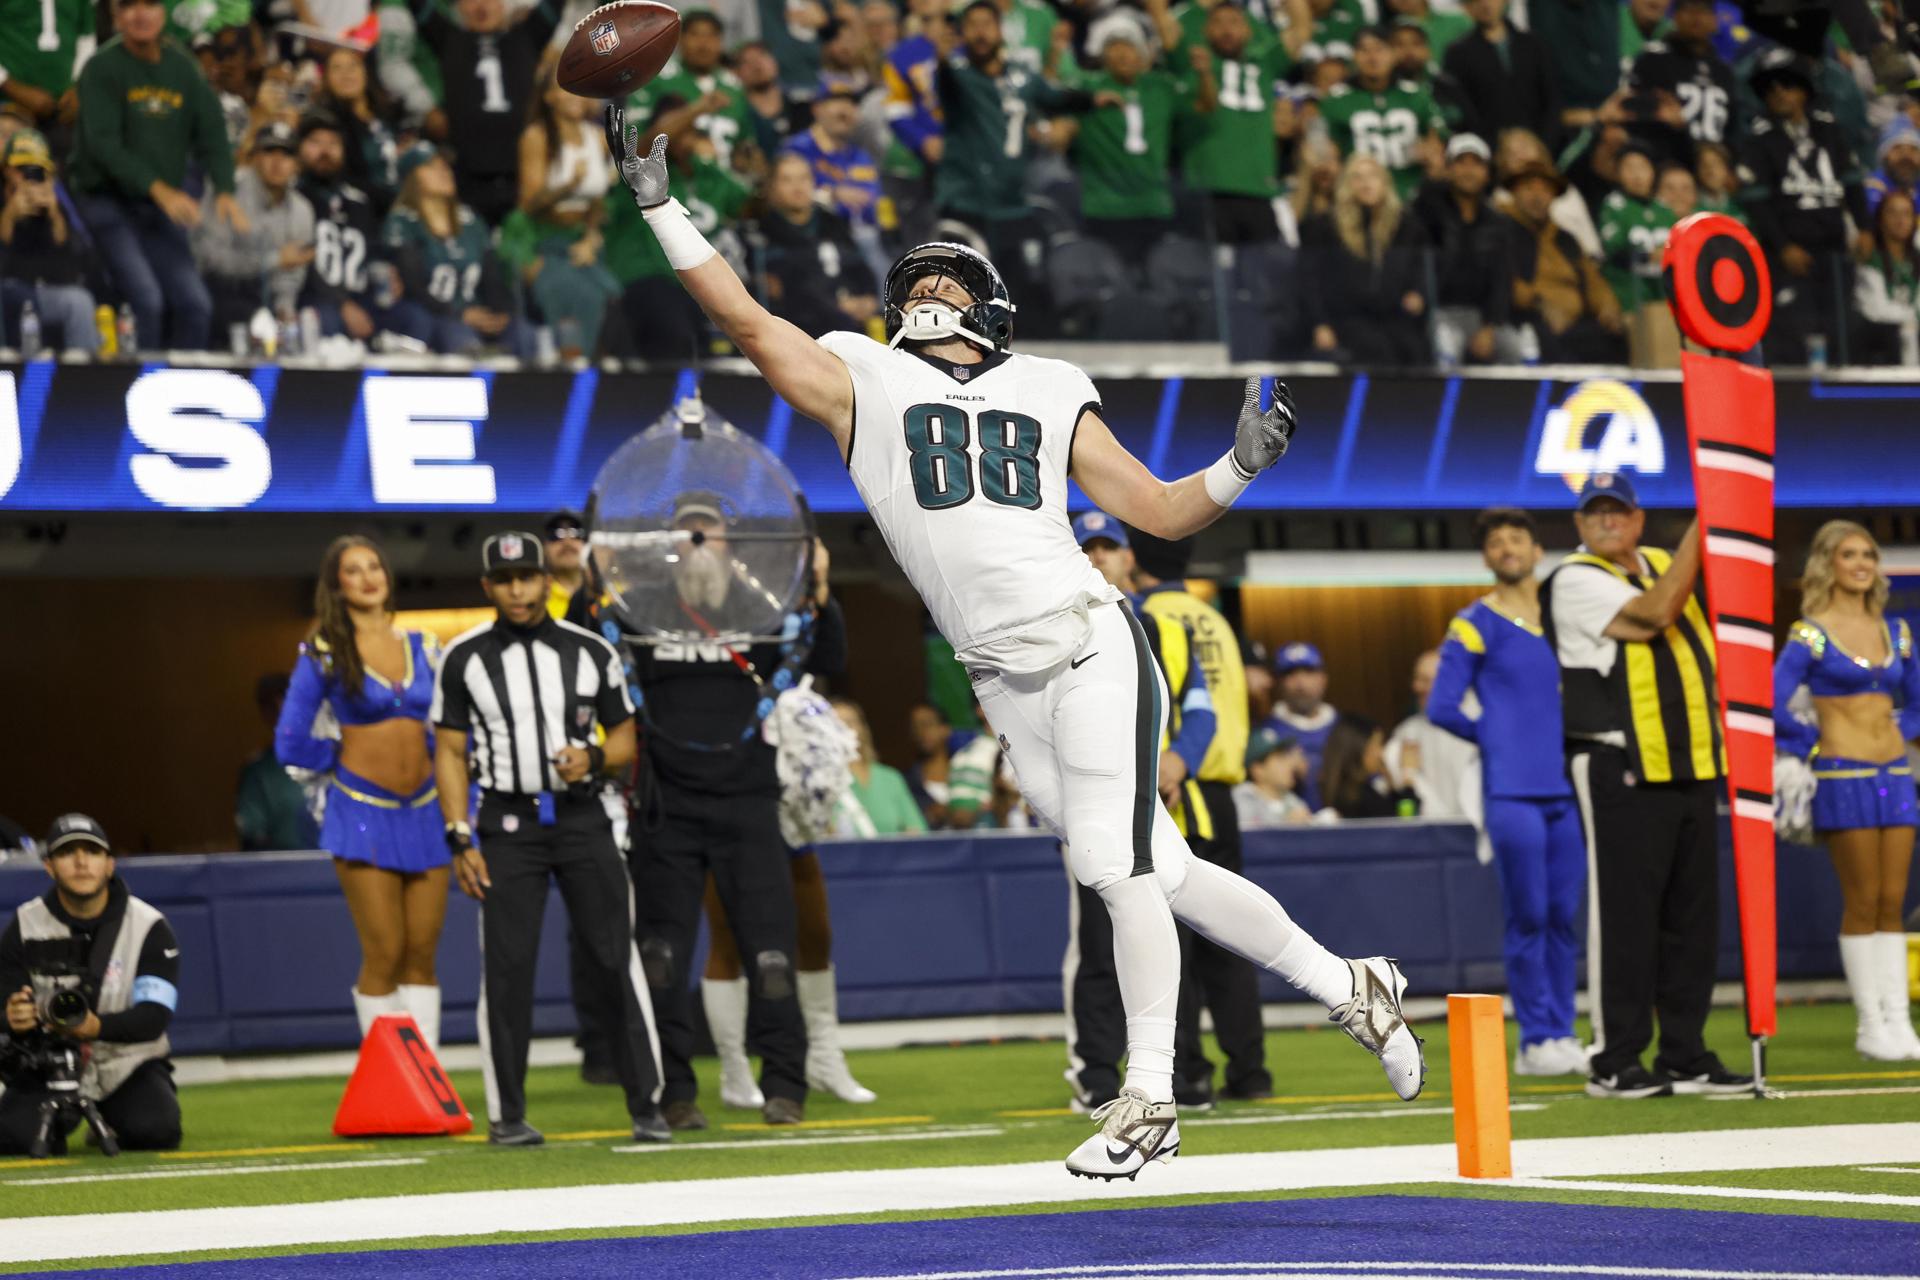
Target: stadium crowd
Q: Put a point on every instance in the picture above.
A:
(1387, 182)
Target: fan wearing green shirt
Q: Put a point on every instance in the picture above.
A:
(1285, 23)
(39, 40)
(661, 316)
(1442, 28)
(1633, 231)
(1120, 151)
(1394, 121)
(1337, 21)
(1228, 150)
(881, 802)
(696, 75)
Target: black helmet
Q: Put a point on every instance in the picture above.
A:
(991, 313)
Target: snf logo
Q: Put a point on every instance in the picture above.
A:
(1603, 425)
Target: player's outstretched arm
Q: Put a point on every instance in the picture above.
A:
(807, 375)
(1121, 486)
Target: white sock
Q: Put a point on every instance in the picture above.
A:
(423, 1002)
(367, 1008)
(1239, 915)
(1146, 959)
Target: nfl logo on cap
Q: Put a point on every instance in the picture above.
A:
(510, 548)
(606, 38)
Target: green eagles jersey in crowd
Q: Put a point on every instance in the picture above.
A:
(723, 128)
(1230, 150)
(713, 196)
(1385, 125)
(1121, 152)
(189, 18)
(1632, 234)
(37, 40)
(1193, 30)
(1027, 29)
(1443, 29)
(1341, 23)
(452, 267)
(984, 171)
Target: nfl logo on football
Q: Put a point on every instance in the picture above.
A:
(606, 38)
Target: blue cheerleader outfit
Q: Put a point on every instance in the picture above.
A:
(1851, 794)
(363, 821)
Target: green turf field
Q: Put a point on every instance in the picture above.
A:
(269, 1143)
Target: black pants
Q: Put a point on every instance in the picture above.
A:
(1132, 238)
(1243, 219)
(577, 852)
(144, 1113)
(737, 839)
(1222, 982)
(1656, 853)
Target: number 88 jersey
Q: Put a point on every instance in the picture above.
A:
(964, 468)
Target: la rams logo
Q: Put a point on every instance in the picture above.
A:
(1628, 435)
(606, 38)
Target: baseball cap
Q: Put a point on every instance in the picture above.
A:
(565, 523)
(278, 136)
(1608, 484)
(1898, 132)
(412, 158)
(1298, 655)
(514, 549)
(28, 149)
(839, 85)
(1098, 524)
(1468, 144)
(73, 828)
(1263, 742)
(315, 121)
(698, 502)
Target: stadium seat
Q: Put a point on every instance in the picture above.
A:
(1263, 311)
(1182, 279)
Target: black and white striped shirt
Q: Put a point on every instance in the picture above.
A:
(520, 695)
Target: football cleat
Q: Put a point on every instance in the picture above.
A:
(1374, 1020)
(1133, 1134)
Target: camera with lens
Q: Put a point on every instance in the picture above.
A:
(47, 1053)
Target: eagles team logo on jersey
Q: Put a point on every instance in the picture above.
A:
(606, 38)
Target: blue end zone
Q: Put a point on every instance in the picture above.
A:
(1374, 1236)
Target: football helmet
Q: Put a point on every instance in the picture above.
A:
(987, 321)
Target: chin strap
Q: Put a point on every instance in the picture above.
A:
(935, 322)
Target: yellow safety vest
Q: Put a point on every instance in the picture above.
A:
(1219, 652)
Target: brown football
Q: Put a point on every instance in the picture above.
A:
(619, 47)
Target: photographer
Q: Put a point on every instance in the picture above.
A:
(89, 936)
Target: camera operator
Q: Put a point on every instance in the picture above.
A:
(87, 936)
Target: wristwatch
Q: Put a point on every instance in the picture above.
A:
(459, 837)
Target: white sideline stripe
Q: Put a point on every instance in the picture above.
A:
(1740, 549)
(631, 1205)
(1886, 1168)
(838, 1139)
(1382, 1113)
(218, 1171)
(1751, 637)
(1351, 1268)
(1724, 1193)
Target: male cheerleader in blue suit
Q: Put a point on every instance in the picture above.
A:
(1495, 647)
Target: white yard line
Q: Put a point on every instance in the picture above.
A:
(215, 1171)
(1886, 1168)
(838, 1139)
(628, 1206)
(1817, 1093)
(1723, 1193)
(1384, 1113)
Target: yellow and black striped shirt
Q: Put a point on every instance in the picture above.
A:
(1660, 693)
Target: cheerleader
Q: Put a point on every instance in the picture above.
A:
(1862, 673)
(355, 725)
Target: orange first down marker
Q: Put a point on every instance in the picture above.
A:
(1477, 1049)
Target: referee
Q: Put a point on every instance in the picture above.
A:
(521, 697)
(1637, 676)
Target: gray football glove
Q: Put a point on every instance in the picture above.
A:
(1261, 439)
(645, 176)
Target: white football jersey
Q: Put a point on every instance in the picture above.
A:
(964, 468)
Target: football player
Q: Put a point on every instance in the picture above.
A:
(961, 448)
